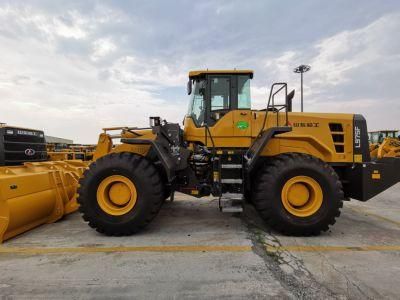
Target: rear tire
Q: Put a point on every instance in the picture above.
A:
(119, 216)
(298, 194)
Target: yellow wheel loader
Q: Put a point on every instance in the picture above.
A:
(295, 168)
(389, 147)
(384, 143)
(377, 137)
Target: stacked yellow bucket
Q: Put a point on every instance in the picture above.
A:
(37, 193)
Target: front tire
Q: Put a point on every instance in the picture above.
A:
(298, 194)
(120, 194)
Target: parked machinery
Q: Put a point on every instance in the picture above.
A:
(19, 145)
(384, 143)
(390, 147)
(33, 191)
(377, 137)
(295, 168)
(70, 152)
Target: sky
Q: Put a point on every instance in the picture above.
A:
(71, 68)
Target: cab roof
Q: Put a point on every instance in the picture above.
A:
(385, 130)
(199, 73)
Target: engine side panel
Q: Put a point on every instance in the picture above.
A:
(326, 136)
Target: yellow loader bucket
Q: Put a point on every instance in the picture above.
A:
(37, 193)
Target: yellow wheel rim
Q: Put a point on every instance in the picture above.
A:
(302, 196)
(116, 195)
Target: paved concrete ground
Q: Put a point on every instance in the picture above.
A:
(191, 250)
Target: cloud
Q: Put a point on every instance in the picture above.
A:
(342, 54)
(74, 67)
(353, 71)
(102, 47)
(357, 68)
(67, 94)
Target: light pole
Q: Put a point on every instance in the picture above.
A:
(302, 69)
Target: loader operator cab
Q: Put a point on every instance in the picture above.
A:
(215, 93)
(219, 98)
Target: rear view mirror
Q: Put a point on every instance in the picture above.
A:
(189, 87)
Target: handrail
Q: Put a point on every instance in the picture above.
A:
(282, 106)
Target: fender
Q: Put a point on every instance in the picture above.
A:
(170, 162)
(253, 153)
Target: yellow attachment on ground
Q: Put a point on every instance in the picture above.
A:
(116, 195)
(302, 196)
(390, 147)
(37, 193)
(373, 149)
(104, 146)
(65, 155)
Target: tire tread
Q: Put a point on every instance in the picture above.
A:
(135, 163)
(267, 180)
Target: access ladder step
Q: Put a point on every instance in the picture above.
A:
(232, 196)
(231, 166)
(231, 181)
(231, 206)
(231, 203)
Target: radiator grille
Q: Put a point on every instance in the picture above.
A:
(20, 146)
(337, 134)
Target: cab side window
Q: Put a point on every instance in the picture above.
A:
(220, 93)
(196, 107)
(244, 100)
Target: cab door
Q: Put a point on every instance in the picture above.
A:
(219, 115)
(242, 116)
(229, 110)
(242, 123)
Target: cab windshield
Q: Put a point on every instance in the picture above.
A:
(196, 105)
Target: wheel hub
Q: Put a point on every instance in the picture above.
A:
(116, 195)
(119, 193)
(302, 196)
(298, 194)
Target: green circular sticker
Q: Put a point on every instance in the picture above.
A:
(242, 125)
